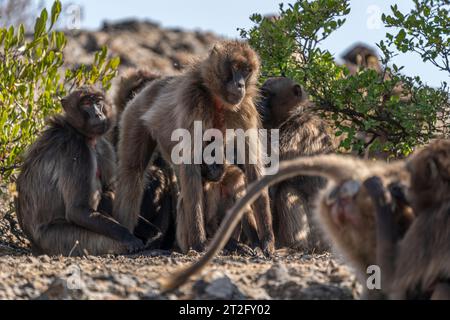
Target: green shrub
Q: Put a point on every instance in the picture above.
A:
(368, 102)
(32, 82)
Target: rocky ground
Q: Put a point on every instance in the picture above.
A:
(290, 275)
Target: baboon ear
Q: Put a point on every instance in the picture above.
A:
(298, 91)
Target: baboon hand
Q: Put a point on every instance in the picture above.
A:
(377, 191)
(134, 245)
(268, 247)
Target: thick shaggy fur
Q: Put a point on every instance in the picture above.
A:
(200, 94)
(65, 188)
(158, 208)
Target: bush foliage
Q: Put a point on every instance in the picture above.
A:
(394, 112)
(33, 79)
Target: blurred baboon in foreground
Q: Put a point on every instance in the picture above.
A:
(158, 207)
(218, 91)
(302, 133)
(344, 209)
(417, 265)
(66, 183)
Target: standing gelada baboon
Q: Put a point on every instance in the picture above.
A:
(344, 209)
(284, 106)
(158, 204)
(218, 91)
(65, 186)
(417, 265)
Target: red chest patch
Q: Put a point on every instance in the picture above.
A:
(98, 174)
(219, 115)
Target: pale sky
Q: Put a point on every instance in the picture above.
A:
(224, 17)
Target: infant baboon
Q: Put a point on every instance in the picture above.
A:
(66, 183)
(218, 91)
(302, 133)
(417, 265)
(158, 207)
(343, 209)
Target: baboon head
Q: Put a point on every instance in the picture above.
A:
(430, 176)
(230, 72)
(86, 110)
(279, 97)
(132, 82)
(364, 57)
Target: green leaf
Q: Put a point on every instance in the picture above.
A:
(40, 25)
(56, 10)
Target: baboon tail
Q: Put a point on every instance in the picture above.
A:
(338, 168)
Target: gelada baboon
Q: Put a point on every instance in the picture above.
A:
(66, 183)
(302, 133)
(343, 209)
(158, 207)
(218, 91)
(130, 84)
(361, 57)
(417, 265)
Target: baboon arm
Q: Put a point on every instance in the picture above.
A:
(78, 195)
(386, 228)
(99, 223)
(106, 203)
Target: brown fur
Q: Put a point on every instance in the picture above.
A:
(130, 84)
(302, 133)
(65, 188)
(361, 57)
(221, 196)
(158, 208)
(417, 266)
(177, 102)
(345, 217)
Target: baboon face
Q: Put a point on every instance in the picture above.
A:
(87, 111)
(235, 66)
(343, 202)
(280, 96)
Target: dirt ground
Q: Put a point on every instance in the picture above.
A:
(289, 275)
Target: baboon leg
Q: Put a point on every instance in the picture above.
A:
(441, 291)
(290, 209)
(67, 239)
(135, 150)
(250, 231)
(191, 232)
(386, 228)
(263, 215)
